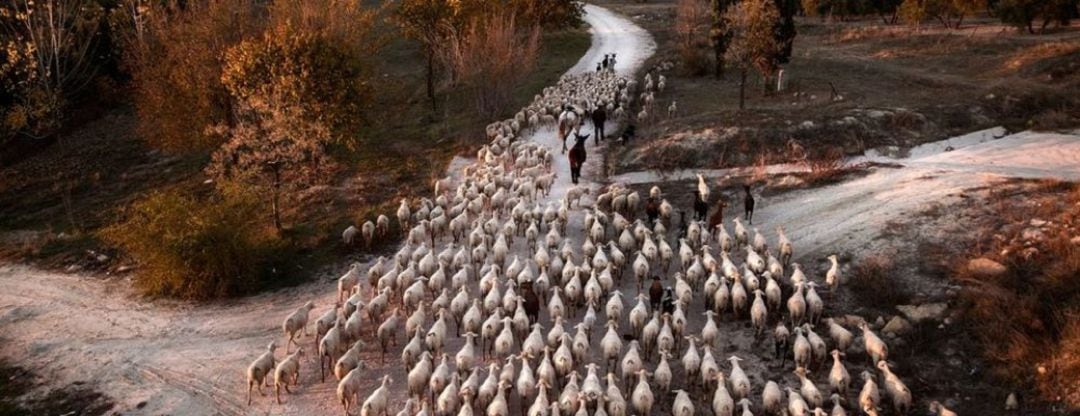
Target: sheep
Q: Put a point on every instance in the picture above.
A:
(832, 277)
(682, 406)
(838, 408)
(840, 335)
(349, 360)
(448, 401)
(817, 345)
(796, 306)
(876, 349)
(691, 362)
(329, 347)
(296, 322)
(349, 235)
(839, 379)
(418, 377)
(759, 313)
(382, 225)
(897, 390)
(642, 399)
(368, 230)
(869, 396)
(611, 345)
(740, 383)
(722, 403)
(815, 307)
(802, 349)
(376, 403)
(259, 369)
(662, 374)
(808, 390)
(387, 333)
(940, 409)
(348, 389)
(672, 109)
(772, 398)
(287, 370)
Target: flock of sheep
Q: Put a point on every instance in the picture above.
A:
(525, 282)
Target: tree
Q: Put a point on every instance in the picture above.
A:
(175, 57)
(274, 149)
(1023, 13)
(549, 14)
(430, 22)
(295, 94)
(312, 75)
(754, 44)
(785, 28)
(720, 33)
(692, 19)
(47, 48)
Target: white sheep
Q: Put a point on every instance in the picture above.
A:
(259, 369)
(682, 406)
(349, 235)
(376, 403)
(287, 372)
(642, 399)
(296, 322)
(897, 390)
(876, 349)
(348, 389)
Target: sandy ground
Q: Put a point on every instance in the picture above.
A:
(177, 358)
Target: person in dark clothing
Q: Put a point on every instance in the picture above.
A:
(628, 133)
(605, 62)
(656, 293)
(598, 65)
(748, 204)
(652, 209)
(667, 303)
(683, 225)
(599, 117)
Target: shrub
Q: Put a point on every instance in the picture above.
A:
(825, 165)
(490, 57)
(870, 281)
(692, 21)
(197, 247)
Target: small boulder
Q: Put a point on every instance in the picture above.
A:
(984, 267)
(897, 326)
(924, 312)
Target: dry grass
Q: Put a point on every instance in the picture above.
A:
(825, 165)
(870, 281)
(1028, 319)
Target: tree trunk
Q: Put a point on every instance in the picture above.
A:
(275, 205)
(430, 73)
(742, 90)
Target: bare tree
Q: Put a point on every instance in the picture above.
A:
(490, 57)
(49, 45)
(276, 149)
(429, 22)
(692, 19)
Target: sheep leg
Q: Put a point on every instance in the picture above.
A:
(277, 391)
(249, 391)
